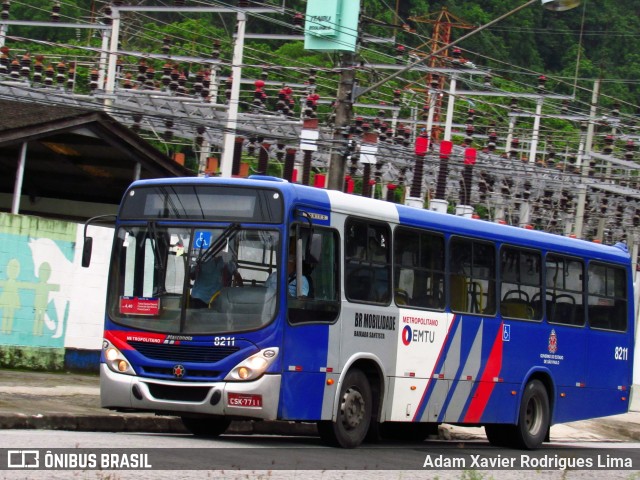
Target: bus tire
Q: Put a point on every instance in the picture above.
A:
(206, 426)
(354, 413)
(534, 416)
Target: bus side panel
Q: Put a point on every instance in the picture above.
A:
(304, 371)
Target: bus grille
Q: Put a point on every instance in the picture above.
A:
(172, 392)
(192, 374)
(183, 353)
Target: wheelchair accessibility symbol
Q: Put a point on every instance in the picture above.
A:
(506, 333)
(202, 239)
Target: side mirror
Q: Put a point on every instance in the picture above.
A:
(86, 251)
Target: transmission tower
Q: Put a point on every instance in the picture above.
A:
(443, 23)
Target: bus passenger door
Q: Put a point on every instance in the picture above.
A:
(309, 319)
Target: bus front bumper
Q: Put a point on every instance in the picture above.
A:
(257, 399)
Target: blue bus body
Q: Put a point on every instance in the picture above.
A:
(472, 359)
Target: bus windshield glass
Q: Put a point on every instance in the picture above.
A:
(196, 280)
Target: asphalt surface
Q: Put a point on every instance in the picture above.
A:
(68, 401)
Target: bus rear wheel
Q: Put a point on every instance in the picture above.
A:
(533, 421)
(534, 417)
(354, 413)
(206, 426)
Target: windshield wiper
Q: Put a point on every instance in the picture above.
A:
(215, 248)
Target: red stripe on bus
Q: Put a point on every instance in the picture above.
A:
(486, 385)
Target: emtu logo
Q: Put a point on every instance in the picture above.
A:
(406, 335)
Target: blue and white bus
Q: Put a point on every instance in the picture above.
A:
(370, 318)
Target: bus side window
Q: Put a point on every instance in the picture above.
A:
(419, 268)
(520, 283)
(367, 261)
(565, 297)
(607, 297)
(472, 278)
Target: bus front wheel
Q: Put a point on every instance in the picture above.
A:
(206, 426)
(354, 413)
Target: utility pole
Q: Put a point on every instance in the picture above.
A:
(344, 114)
(582, 192)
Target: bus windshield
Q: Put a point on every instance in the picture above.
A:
(195, 280)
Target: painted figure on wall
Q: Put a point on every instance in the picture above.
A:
(9, 297)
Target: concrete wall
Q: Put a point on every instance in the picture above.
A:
(51, 309)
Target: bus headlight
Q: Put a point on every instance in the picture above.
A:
(254, 366)
(115, 360)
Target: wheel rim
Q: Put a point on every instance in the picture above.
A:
(533, 415)
(352, 408)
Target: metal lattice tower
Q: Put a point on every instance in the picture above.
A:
(443, 23)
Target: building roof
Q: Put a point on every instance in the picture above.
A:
(74, 154)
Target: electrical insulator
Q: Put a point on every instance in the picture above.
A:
(38, 69)
(166, 74)
(127, 82)
(493, 140)
(435, 81)
(513, 104)
(615, 112)
(179, 3)
(425, 112)
(298, 20)
(108, 19)
(515, 145)
(215, 52)
(630, 149)
(391, 192)
(71, 76)
(5, 62)
(61, 68)
(166, 45)
(608, 145)
(25, 65)
(565, 107)
(142, 70)
(48, 76)
(396, 97)
(487, 80)
(457, 57)
(55, 12)
(542, 80)
(243, 3)
(400, 51)
(469, 130)
(471, 115)
(93, 80)
(4, 12)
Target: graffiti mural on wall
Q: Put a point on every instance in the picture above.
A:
(35, 281)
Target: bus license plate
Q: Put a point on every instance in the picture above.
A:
(239, 400)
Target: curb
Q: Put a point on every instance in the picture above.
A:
(143, 423)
